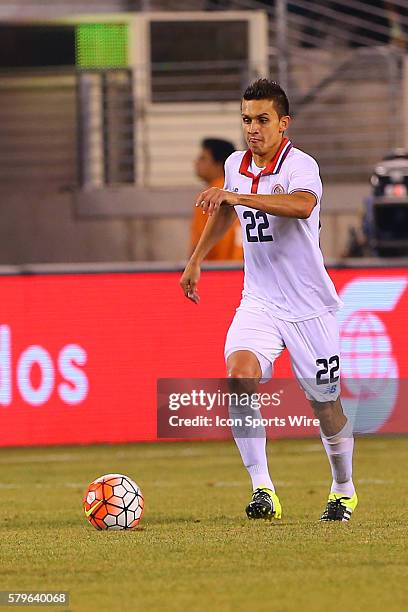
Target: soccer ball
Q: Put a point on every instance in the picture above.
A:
(113, 501)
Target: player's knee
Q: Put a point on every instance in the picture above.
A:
(243, 379)
(243, 364)
(244, 372)
(239, 371)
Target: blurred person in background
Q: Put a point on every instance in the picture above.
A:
(209, 167)
(398, 35)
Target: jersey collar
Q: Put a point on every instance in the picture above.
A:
(274, 165)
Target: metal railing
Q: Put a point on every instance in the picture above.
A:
(76, 128)
(343, 67)
(69, 128)
(344, 73)
(38, 122)
(106, 127)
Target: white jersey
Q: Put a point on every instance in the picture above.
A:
(284, 266)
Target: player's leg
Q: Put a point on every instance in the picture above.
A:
(244, 373)
(314, 347)
(248, 342)
(338, 441)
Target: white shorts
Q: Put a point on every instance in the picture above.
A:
(313, 345)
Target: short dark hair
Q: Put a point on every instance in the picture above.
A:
(264, 89)
(220, 149)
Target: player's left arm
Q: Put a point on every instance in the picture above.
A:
(298, 205)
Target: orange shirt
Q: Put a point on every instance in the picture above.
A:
(230, 246)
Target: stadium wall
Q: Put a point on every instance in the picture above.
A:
(80, 353)
(51, 227)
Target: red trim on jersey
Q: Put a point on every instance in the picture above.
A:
(273, 167)
(245, 163)
(255, 183)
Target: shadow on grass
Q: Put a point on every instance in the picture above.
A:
(171, 520)
(216, 521)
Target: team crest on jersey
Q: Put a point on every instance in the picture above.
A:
(278, 189)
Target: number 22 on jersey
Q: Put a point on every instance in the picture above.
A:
(256, 227)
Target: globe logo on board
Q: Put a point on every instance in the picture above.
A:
(366, 348)
(369, 368)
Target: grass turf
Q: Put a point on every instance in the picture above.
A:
(195, 548)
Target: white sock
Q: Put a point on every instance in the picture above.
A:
(339, 449)
(251, 443)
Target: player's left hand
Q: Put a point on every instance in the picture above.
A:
(211, 199)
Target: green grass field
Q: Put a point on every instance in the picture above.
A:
(194, 548)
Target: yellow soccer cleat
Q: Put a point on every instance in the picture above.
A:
(264, 504)
(339, 507)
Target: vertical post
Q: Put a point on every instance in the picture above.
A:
(106, 128)
(140, 63)
(395, 67)
(405, 99)
(90, 124)
(282, 43)
(79, 136)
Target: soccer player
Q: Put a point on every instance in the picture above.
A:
(209, 167)
(288, 299)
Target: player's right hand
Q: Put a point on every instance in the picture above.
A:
(189, 281)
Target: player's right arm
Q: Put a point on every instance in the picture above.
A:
(216, 227)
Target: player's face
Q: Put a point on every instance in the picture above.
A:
(263, 128)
